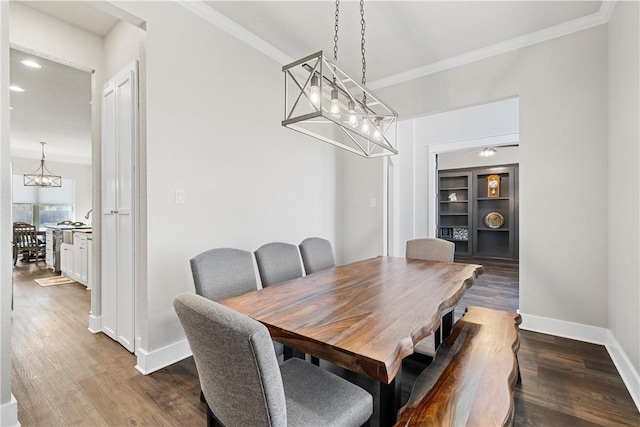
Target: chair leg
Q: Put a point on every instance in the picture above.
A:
(315, 360)
(211, 420)
(202, 399)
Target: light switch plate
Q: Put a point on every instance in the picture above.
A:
(181, 196)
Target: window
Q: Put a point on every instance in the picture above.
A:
(42, 206)
(42, 215)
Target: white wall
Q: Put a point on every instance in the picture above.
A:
(561, 86)
(81, 174)
(214, 108)
(121, 47)
(362, 216)
(623, 191)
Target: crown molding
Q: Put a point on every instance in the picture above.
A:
(211, 15)
(601, 17)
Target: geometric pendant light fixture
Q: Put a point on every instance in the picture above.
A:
(322, 101)
(42, 177)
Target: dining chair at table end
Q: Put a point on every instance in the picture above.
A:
(243, 383)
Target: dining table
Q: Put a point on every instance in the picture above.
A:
(365, 316)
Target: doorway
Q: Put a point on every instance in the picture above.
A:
(102, 43)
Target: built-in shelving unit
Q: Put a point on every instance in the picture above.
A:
(462, 220)
(454, 209)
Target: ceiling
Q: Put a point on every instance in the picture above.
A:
(55, 108)
(400, 36)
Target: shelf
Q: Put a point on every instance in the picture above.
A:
(492, 229)
(454, 240)
(454, 201)
(453, 226)
(484, 199)
(453, 214)
(454, 188)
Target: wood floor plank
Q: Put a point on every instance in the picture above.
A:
(63, 375)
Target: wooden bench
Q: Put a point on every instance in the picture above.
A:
(470, 382)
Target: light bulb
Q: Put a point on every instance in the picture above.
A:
(353, 119)
(365, 126)
(376, 130)
(335, 104)
(314, 92)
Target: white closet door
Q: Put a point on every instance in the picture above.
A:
(118, 189)
(109, 208)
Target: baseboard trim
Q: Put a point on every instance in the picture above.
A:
(9, 413)
(95, 324)
(624, 366)
(152, 361)
(592, 334)
(564, 329)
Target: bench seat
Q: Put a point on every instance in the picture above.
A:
(472, 377)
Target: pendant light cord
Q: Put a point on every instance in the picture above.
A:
(335, 41)
(335, 37)
(362, 49)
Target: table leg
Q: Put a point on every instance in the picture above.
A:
(290, 352)
(390, 395)
(447, 324)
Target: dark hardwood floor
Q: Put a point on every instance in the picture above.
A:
(63, 375)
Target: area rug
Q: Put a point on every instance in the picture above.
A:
(52, 281)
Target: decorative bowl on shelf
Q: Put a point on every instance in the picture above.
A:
(494, 220)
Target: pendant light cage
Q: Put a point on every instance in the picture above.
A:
(42, 177)
(322, 101)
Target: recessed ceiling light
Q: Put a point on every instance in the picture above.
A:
(31, 64)
(487, 152)
(16, 88)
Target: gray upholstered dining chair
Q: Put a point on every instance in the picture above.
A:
(430, 249)
(317, 254)
(243, 384)
(224, 273)
(278, 262)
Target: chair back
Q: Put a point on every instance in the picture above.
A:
(278, 262)
(238, 370)
(25, 237)
(223, 273)
(317, 255)
(430, 249)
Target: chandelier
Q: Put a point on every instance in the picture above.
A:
(42, 177)
(322, 101)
